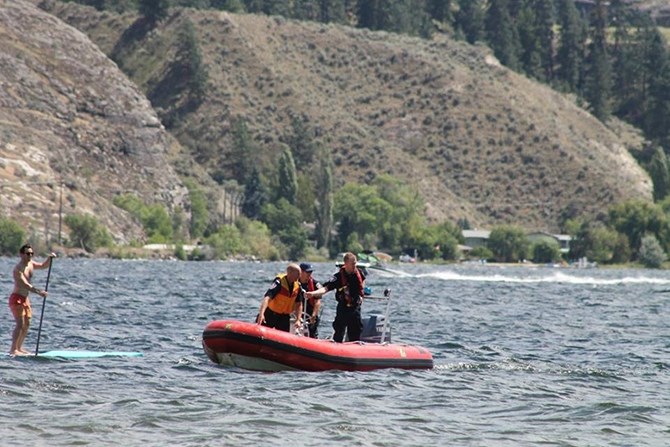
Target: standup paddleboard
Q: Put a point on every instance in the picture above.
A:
(76, 354)
(87, 354)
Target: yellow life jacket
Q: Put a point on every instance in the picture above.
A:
(284, 300)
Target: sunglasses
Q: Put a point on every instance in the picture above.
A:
(29, 253)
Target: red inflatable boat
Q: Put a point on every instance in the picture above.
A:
(255, 347)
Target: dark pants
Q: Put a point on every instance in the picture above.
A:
(277, 321)
(348, 318)
(314, 328)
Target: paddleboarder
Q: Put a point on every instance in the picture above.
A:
(19, 303)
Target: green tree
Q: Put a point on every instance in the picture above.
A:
(157, 224)
(386, 214)
(368, 13)
(651, 252)
(226, 241)
(501, 34)
(285, 220)
(406, 211)
(155, 219)
(546, 252)
(324, 197)
(199, 212)
(269, 7)
(332, 11)
(399, 16)
(508, 243)
(254, 6)
(256, 195)
(11, 236)
(228, 5)
(287, 186)
(570, 45)
(598, 243)
(243, 152)
(659, 171)
(281, 215)
(438, 240)
(87, 233)
(470, 19)
(359, 209)
(258, 239)
(307, 196)
(440, 10)
(545, 21)
(154, 10)
(598, 75)
(529, 38)
(300, 140)
(535, 25)
(625, 57)
(481, 253)
(195, 4)
(192, 66)
(307, 10)
(130, 203)
(656, 120)
(636, 218)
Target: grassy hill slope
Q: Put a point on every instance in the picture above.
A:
(476, 139)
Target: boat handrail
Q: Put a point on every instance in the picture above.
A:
(372, 297)
(387, 315)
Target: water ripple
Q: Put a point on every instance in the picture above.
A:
(523, 357)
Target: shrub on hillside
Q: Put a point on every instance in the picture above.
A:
(651, 253)
(11, 237)
(546, 252)
(508, 243)
(87, 233)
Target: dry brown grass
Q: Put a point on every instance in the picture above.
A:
(477, 140)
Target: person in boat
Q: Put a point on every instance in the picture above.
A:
(19, 303)
(282, 298)
(312, 304)
(349, 283)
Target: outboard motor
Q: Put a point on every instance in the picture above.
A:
(373, 327)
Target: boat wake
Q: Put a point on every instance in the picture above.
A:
(555, 277)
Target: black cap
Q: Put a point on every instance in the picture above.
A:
(305, 267)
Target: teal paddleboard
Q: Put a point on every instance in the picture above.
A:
(87, 354)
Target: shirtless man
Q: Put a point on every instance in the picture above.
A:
(19, 303)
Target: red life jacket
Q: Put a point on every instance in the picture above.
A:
(344, 290)
(311, 286)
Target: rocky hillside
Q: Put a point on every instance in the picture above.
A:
(659, 10)
(477, 140)
(69, 116)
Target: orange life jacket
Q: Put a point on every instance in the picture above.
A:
(284, 300)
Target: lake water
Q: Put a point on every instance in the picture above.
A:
(523, 357)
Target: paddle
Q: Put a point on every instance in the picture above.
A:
(44, 301)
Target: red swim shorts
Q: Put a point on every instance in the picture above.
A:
(20, 306)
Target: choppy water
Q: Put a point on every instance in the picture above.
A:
(524, 357)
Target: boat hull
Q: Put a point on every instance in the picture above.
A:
(255, 347)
